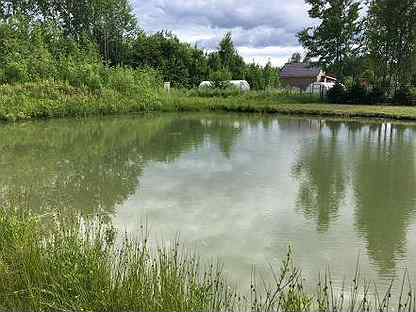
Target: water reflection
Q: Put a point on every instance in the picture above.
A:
(384, 186)
(93, 165)
(322, 176)
(240, 187)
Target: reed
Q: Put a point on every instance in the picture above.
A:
(52, 263)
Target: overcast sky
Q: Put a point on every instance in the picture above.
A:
(261, 29)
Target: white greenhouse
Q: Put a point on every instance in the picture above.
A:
(242, 85)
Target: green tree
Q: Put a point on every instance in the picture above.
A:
(337, 37)
(392, 41)
(229, 57)
(295, 58)
(109, 23)
(262, 78)
(178, 62)
(220, 78)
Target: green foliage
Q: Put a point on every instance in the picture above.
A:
(262, 78)
(402, 96)
(132, 82)
(376, 96)
(220, 78)
(178, 62)
(63, 265)
(295, 58)
(109, 24)
(57, 263)
(357, 94)
(338, 35)
(48, 99)
(337, 94)
(16, 72)
(229, 57)
(70, 41)
(213, 92)
(391, 35)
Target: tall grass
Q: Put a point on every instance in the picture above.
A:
(49, 99)
(74, 266)
(51, 263)
(125, 91)
(278, 96)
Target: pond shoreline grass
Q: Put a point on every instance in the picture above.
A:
(45, 100)
(55, 263)
(271, 106)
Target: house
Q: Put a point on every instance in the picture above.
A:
(302, 75)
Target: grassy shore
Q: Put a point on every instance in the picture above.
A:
(300, 105)
(51, 263)
(54, 100)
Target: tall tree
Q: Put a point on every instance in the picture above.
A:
(392, 41)
(229, 57)
(337, 37)
(295, 58)
(107, 22)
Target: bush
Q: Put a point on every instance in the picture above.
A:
(2, 76)
(376, 96)
(337, 94)
(357, 94)
(16, 72)
(41, 65)
(81, 74)
(128, 81)
(220, 78)
(402, 96)
(122, 80)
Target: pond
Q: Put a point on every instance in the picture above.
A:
(241, 188)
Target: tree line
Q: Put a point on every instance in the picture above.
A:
(367, 44)
(45, 39)
(365, 41)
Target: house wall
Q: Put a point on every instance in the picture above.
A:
(299, 82)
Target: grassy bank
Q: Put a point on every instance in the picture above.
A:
(54, 99)
(292, 105)
(53, 264)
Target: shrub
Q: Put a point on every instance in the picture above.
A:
(402, 96)
(2, 76)
(16, 72)
(122, 80)
(41, 65)
(220, 78)
(81, 74)
(148, 79)
(337, 94)
(376, 96)
(128, 81)
(90, 76)
(357, 94)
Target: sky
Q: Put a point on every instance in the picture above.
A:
(262, 30)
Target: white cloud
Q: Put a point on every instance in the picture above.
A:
(257, 26)
(277, 55)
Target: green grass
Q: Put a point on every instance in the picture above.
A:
(50, 99)
(82, 267)
(54, 99)
(51, 263)
(291, 105)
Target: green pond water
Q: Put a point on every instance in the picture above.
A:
(236, 187)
